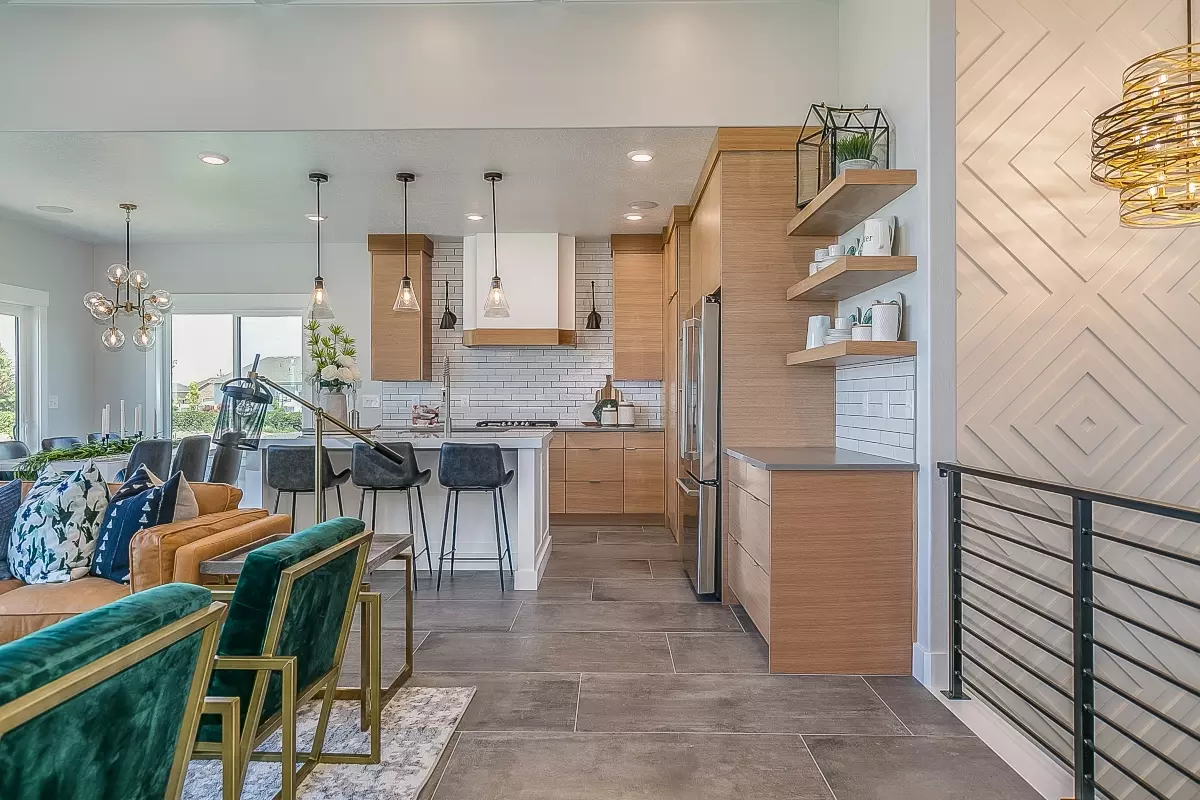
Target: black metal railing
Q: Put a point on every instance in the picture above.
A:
(990, 588)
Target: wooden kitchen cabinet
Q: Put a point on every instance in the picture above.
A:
(645, 491)
(608, 473)
(401, 341)
(637, 307)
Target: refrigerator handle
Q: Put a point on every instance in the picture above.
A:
(689, 488)
(688, 446)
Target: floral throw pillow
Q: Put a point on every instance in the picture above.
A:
(54, 536)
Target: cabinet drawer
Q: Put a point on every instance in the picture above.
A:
(558, 441)
(645, 440)
(645, 482)
(750, 525)
(558, 498)
(752, 586)
(558, 466)
(597, 440)
(754, 480)
(594, 465)
(594, 497)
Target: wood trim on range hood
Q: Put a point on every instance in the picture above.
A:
(516, 337)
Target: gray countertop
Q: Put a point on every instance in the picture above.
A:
(816, 459)
(565, 427)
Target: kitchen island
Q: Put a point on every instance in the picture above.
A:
(526, 499)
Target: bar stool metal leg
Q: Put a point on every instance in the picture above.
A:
(293, 528)
(507, 544)
(341, 511)
(499, 550)
(424, 531)
(374, 508)
(442, 553)
(362, 505)
(277, 496)
(454, 533)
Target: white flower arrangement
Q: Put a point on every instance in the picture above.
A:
(332, 356)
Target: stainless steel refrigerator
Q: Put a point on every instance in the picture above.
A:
(700, 444)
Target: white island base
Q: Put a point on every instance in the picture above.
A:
(526, 502)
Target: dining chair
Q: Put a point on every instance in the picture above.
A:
(191, 457)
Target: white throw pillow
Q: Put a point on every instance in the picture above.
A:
(54, 536)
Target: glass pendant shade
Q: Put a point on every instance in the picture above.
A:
(113, 339)
(102, 311)
(117, 273)
(92, 299)
(161, 299)
(318, 305)
(496, 305)
(406, 297)
(139, 280)
(143, 339)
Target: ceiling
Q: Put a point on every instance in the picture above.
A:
(572, 181)
(320, 2)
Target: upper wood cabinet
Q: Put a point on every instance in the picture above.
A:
(401, 341)
(637, 307)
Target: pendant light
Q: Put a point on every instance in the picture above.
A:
(448, 319)
(593, 319)
(150, 307)
(318, 306)
(496, 304)
(406, 297)
(1148, 145)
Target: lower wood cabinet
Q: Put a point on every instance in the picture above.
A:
(645, 488)
(594, 497)
(608, 472)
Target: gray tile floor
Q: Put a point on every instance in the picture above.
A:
(612, 681)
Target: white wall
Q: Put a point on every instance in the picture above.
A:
(34, 258)
(523, 65)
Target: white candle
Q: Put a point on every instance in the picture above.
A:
(122, 418)
(104, 421)
(154, 422)
(137, 419)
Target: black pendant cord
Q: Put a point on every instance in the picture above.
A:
(319, 223)
(447, 295)
(405, 184)
(593, 297)
(128, 263)
(495, 237)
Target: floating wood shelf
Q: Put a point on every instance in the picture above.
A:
(850, 199)
(851, 275)
(834, 355)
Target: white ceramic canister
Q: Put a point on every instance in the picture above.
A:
(886, 319)
(625, 414)
(860, 333)
(878, 235)
(608, 416)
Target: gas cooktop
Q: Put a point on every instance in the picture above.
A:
(517, 423)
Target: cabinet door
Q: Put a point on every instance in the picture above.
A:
(645, 489)
(637, 316)
(593, 497)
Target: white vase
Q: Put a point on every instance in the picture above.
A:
(334, 404)
(856, 163)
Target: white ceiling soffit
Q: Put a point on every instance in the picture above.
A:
(575, 181)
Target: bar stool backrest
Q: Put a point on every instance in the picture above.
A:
(471, 466)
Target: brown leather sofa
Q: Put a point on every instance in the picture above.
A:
(163, 554)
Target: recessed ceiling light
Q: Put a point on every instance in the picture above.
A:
(474, 217)
(640, 156)
(632, 217)
(216, 159)
(643, 205)
(315, 217)
(56, 209)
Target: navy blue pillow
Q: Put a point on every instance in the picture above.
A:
(134, 506)
(10, 502)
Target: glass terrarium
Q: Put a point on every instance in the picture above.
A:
(836, 139)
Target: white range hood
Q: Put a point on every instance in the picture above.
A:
(538, 271)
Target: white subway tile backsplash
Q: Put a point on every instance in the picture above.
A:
(525, 383)
(876, 408)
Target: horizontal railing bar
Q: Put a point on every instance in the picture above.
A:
(1015, 720)
(1067, 695)
(1104, 791)
(1173, 639)
(1017, 601)
(1155, 793)
(1137, 662)
(1013, 629)
(1029, 576)
(1163, 757)
(1145, 587)
(1149, 548)
(1124, 695)
(1032, 515)
(1107, 498)
(1008, 685)
(1035, 548)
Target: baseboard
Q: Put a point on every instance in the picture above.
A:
(931, 669)
(600, 520)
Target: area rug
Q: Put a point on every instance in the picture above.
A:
(417, 725)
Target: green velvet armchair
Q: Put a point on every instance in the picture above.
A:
(106, 704)
(282, 645)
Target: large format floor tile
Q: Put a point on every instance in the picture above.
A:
(568, 566)
(454, 615)
(667, 569)
(733, 704)
(573, 766)
(930, 768)
(665, 551)
(659, 536)
(481, 585)
(391, 658)
(513, 701)
(617, 616)
(718, 652)
(572, 535)
(671, 590)
(544, 652)
(920, 711)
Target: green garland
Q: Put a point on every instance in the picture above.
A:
(31, 467)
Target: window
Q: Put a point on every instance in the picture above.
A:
(209, 349)
(10, 377)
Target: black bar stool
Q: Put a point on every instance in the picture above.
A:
(290, 470)
(374, 473)
(474, 468)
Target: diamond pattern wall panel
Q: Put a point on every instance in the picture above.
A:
(1078, 361)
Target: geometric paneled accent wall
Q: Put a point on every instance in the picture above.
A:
(1078, 340)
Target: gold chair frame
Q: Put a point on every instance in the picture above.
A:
(252, 735)
(29, 706)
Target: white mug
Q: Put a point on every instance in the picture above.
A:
(837, 250)
(841, 324)
(820, 254)
(878, 234)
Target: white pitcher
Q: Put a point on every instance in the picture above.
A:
(878, 234)
(886, 319)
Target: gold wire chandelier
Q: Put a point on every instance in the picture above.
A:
(1148, 146)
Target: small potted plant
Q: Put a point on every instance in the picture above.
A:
(856, 151)
(334, 369)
